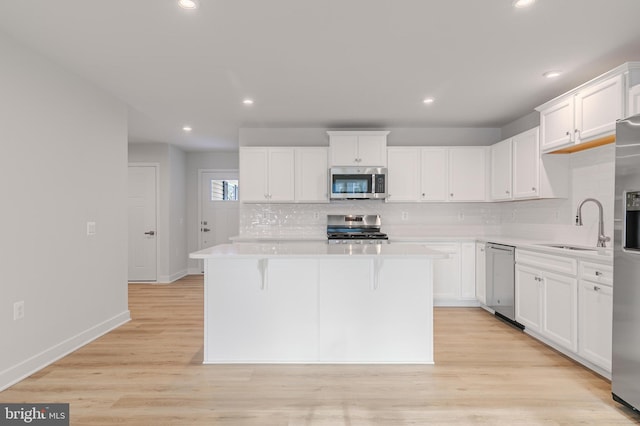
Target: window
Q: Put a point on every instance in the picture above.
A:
(224, 190)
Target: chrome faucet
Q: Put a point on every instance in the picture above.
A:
(602, 239)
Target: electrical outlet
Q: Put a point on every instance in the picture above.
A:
(18, 310)
(316, 215)
(405, 215)
(91, 228)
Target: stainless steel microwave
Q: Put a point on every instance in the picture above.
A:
(358, 183)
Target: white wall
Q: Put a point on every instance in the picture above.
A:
(218, 160)
(172, 227)
(63, 163)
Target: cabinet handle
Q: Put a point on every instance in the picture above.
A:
(481, 249)
(451, 194)
(533, 188)
(423, 194)
(596, 288)
(598, 274)
(506, 192)
(568, 133)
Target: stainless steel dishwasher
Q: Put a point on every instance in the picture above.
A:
(501, 281)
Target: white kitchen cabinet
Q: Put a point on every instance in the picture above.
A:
(350, 148)
(595, 313)
(481, 273)
(271, 295)
(547, 297)
(403, 171)
(634, 101)
(560, 310)
(267, 174)
(433, 174)
(501, 170)
(556, 124)
(468, 271)
(528, 297)
(526, 166)
(446, 273)
(597, 109)
(586, 113)
(311, 175)
(519, 171)
(467, 173)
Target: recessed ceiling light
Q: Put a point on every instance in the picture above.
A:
(188, 4)
(248, 102)
(428, 100)
(552, 74)
(523, 3)
(187, 128)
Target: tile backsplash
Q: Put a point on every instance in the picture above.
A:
(592, 175)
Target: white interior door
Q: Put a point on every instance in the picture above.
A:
(219, 218)
(142, 223)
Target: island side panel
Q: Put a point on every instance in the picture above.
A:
(259, 310)
(366, 318)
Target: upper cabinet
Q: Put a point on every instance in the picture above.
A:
(519, 171)
(437, 174)
(586, 116)
(634, 100)
(467, 173)
(267, 174)
(312, 175)
(351, 148)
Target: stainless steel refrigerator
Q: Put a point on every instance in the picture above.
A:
(625, 374)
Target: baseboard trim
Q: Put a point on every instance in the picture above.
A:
(168, 279)
(13, 375)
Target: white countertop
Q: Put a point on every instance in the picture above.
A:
(317, 248)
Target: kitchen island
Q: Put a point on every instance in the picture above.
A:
(313, 302)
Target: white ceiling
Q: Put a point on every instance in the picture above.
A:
(328, 63)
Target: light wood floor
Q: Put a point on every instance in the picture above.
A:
(149, 372)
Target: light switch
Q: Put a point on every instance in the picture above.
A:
(91, 228)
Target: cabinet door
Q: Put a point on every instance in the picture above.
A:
(501, 170)
(433, 174)
(372, 150)
(344, 150)
(529, 298)
(403, 171)
(468, 270)
(560, 310)
(467, 168)
(446, 274)
(595, 323)
(312, 181)
(281, 174)
(254, 174)
(556, 125)
(526, 164)
(481, 273)
(634, 101)
(598, 107)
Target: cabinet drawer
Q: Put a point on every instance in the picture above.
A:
(596, 272)
(565, 265)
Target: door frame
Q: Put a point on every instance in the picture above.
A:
(156, 166)
(199, 222)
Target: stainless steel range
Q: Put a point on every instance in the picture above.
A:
(355, 229)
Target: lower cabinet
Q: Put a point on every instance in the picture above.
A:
(454, 278)
(547, 303)
(568, 309)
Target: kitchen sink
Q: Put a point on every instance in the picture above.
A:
(569, 247)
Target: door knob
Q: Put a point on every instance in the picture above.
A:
(205, 229)
(150, 233)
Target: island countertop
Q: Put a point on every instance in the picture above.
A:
(317, 248)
